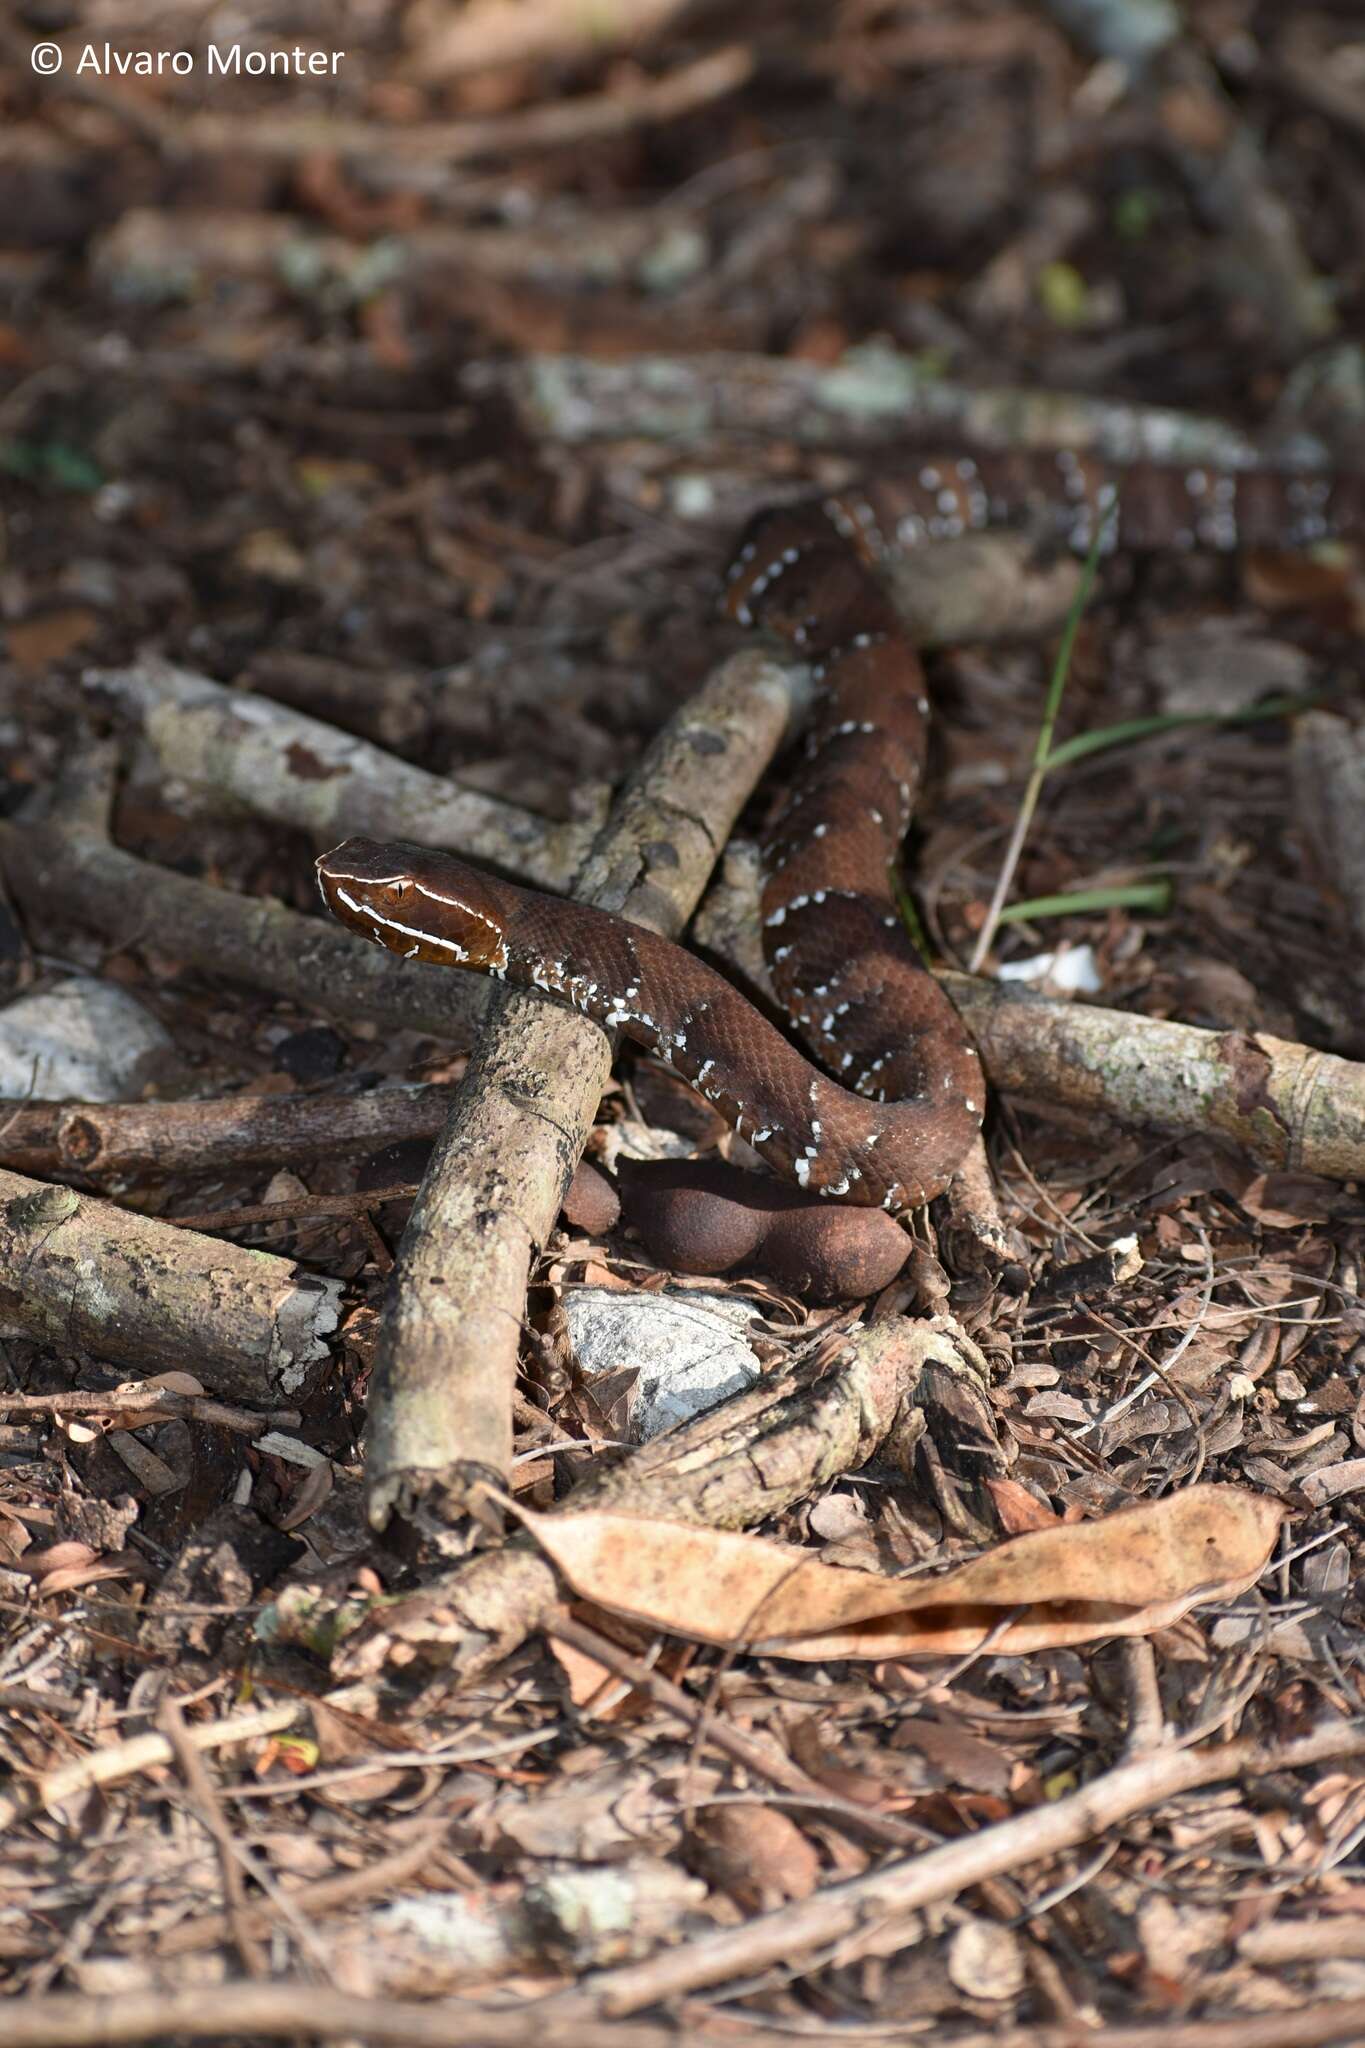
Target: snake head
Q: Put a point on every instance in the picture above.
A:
(420, 904)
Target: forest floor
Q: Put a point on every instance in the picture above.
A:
(421, 395)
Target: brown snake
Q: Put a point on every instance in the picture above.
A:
(842, 965)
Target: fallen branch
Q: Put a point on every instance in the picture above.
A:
(280, 764)
(81, 1273)
(441, 1395)
(865, 1905)
(115, 1760)
(65, 870)
(872, 394)
(281, 2011)
(284, 2009)
(206, 1138)
(557, 123)
(1287, 1105)
(744, 1460)
(153, 1404)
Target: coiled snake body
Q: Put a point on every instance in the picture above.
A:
(909, 1097)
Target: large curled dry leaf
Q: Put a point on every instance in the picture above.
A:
(1126, 1574)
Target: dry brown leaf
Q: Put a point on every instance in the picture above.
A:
(956, 1755)
(1018, 1509)
(1320, 581)
(756, 1854)
(171, 1382)
(58, 1557)
(309, 1496)
(1126, 1574)
(592, 1687)
(66, 1578)
(77, 1432)
(1288, 1201)
(34, 643)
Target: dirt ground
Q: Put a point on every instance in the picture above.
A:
(382, 389)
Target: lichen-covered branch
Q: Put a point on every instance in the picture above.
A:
(83, 1274)
(441, 1397)
(282, 765)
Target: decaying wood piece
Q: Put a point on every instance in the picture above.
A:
(82, 1273)
(983, 586)
(1329, 780)
(1286, 1105)
(28, 1136)
(294, 770)
(731, 1468)
(441, 1395)
(64, 869)
(562, 121)
(872, 394)
(299, 2008)
(100, 1138)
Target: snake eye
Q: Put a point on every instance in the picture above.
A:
(394, 892)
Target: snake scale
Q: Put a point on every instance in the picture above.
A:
(898, 1096)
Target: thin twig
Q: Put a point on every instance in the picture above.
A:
(139, 1753)
(203, 1799)
(898, 1889)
